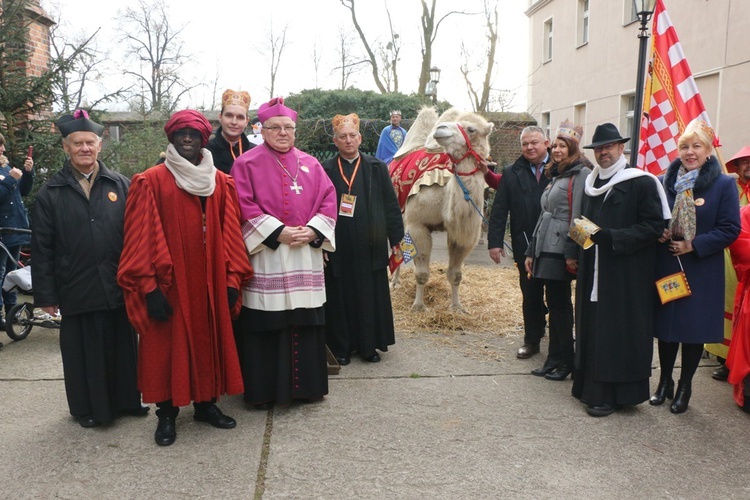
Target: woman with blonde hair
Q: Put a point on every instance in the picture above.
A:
(551, 255)
(705, 220)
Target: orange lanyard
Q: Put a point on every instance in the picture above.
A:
(239, 146)
(349, 182)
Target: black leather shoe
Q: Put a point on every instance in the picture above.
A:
(681, 399)
(215, 417)
(138, 411)
(721, 373)
(87, 421)
(166, 432)
(601, 410)
(375, 358)
(343, 360)
(560, 373)
(665, 390)
(527, 350)
(545, 369)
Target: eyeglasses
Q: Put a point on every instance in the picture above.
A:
(605, 147)
(288, 129)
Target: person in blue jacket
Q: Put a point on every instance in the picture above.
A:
(14, 185)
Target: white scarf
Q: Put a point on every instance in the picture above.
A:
(616, 174)
(198, 180)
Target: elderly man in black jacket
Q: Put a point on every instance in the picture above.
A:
(78, 222)
(518, 195)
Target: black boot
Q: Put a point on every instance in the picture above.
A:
(560, 373)
(549, 365)
(681, 398)
(665, 390)
(166, 431)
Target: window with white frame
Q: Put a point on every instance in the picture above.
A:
(583, 22)
(546, 124)
(579, 114)
(629, 13)
(628, 106)
(548, 40)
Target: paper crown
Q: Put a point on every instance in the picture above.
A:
(340, 121)
(396, 112)
(236, 97)
(701, 127)
(570, 130)
(275, 107)
(78, 122)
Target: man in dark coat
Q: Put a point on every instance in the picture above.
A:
(78, 235)
(358, 306)
(229, 140)
(615, 293)
(518, 194)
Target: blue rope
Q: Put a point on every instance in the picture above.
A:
(468, 198)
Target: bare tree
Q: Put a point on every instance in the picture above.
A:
(349, 64)
(429, 34)
(481, 103)
(316, 57)
(389, 56)
(349, 4)
(152, 40)
(275, 45)
(83, 69)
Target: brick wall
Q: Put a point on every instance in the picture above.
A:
(505, 143)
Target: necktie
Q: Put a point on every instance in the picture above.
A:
(538, 172)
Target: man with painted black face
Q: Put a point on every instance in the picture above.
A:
(182, 267)
(77, 240)
(518, 195)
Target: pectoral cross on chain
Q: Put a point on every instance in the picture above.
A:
(296, 187)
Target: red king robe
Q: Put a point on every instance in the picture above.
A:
(193, 356)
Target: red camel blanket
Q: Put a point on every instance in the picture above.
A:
(406, 171)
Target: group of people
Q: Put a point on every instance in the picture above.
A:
(641, 231)
(216, 271)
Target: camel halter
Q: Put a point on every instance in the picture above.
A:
(469, 152)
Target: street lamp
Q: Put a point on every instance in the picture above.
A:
(432, 85)
(643, 9)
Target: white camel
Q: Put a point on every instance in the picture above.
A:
(436, 201)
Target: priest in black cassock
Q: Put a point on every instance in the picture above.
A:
(358, 310)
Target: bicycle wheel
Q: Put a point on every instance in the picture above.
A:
(18, 321)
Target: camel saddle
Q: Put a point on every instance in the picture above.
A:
(416, 169)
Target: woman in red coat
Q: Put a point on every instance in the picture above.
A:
(738, 359)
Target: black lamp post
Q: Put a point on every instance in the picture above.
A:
(434, 80)
(644, 9)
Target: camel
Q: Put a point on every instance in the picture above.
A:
(436, 202)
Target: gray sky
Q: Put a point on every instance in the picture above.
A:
(227, 38)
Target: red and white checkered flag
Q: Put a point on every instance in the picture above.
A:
(671, 98)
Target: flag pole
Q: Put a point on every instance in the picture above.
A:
(640, 84)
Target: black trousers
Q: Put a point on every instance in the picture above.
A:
(560, 321)
(534, 310)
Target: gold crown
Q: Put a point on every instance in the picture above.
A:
(696, 125)
(238, 97)
(570, 130)
(340, 121)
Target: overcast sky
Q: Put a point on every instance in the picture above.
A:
(227, 38)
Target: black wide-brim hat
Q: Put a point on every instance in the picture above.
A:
(606, 133)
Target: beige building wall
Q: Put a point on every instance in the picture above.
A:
(593, 81)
